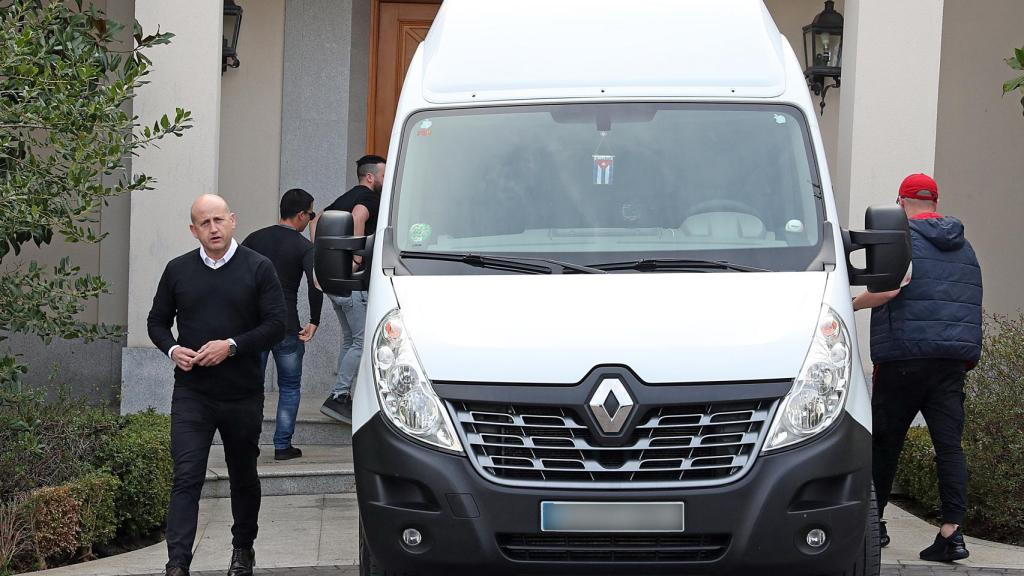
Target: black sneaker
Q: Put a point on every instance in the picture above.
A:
(946, 549)
(242, 562)
(287, 453)
(339, 408)
(176, 571)
(883, 534)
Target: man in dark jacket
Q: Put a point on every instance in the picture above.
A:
(924, 338)
(227, 302)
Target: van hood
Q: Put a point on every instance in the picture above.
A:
(667, 328)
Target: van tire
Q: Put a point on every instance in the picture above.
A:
(870, 564)
(368, 564)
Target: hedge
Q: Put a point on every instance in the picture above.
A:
(139, 454)
(96, 494)
(75, 476)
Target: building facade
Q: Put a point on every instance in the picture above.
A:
(317, 88)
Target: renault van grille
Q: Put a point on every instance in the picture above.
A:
(613, 547)
(682, 445)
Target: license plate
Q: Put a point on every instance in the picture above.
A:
(611, 516)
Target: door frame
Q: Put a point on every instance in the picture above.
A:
(371, 110)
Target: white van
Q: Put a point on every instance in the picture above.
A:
(610, 326)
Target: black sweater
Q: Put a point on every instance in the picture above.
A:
(241, 300)
(291, 255)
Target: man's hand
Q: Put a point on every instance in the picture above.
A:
(212, 353)
(183, 357)
(874, 299)
(306, 334)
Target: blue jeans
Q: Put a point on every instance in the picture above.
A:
(288, 359)
(351, 311)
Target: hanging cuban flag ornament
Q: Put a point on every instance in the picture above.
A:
(604, 169)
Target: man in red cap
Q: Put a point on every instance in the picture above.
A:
(924, 338)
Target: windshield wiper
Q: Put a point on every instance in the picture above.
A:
(654, 264)
(511, 264)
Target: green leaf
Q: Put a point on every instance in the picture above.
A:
(1012, 85)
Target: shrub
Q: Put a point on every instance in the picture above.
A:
(993, 439)
(916, 473)
(15, 533)
(139, 454)
(96, 494)
(47, 444)
(53, 516)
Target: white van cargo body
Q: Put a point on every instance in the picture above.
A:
(609, 324)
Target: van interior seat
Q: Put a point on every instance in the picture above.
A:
(726, 225)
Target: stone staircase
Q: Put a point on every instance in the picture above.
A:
(324, 468)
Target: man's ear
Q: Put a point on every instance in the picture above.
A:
(192, 229)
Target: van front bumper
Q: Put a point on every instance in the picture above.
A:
(473, 526)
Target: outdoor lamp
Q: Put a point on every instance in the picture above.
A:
(232, 26)
(823, 51)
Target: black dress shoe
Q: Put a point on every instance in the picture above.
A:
(287, 453)
(946, 549)
(883, 535)
(242, 562)
(339, 408)
(176, 571)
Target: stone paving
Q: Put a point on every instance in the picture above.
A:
(316, 536)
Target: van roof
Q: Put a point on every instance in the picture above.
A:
(487, 50)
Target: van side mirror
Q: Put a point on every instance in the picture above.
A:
(334, 248)
(887, 243)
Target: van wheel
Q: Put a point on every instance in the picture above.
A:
(870, 564)
(368, 564)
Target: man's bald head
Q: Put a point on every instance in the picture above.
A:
(213, 224)
(208, 202)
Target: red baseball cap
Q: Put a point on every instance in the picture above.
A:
(920, 187)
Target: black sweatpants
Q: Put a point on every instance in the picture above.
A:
(934, 387)
(194, 418)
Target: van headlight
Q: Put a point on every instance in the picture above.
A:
(818, 395)
(403, 389)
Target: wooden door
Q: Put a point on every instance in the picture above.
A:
(398, 29)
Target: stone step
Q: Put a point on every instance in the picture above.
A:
(311, 427)
(322, 469)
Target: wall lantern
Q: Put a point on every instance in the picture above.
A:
(823, 51)
(232, 26)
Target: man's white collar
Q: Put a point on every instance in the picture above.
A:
(223, 259)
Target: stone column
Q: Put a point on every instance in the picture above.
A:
(186, 74)
(889, 112)
(323, 132)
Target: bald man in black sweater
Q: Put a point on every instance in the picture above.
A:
(229, 309)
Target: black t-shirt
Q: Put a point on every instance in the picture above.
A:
(360, 195)
(292, 255)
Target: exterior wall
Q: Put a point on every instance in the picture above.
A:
(980, 137)
(189, 77)
(250, 108)
(886, 130)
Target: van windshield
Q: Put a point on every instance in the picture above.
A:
(597, 184)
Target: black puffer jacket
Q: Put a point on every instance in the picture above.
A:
(937, 315)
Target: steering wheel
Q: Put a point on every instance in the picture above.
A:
(722, 205)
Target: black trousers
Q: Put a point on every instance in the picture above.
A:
(936, 389)
(194, 418)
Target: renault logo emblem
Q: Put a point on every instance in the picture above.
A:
(611, 405)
